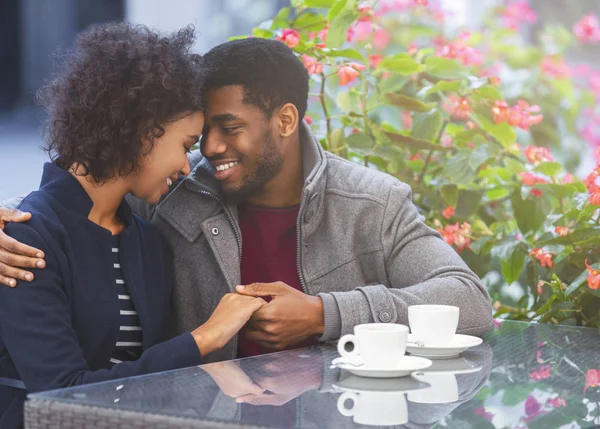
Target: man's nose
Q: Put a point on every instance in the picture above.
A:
(211, 145)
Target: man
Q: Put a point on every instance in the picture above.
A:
(331, 243)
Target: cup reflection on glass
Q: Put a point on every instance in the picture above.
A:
(374, 408)
(377, 345)
(443, 389)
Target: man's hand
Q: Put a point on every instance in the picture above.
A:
(290, 317)
(14, 254)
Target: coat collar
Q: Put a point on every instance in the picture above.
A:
(71, 195)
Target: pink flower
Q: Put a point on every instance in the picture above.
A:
(290, 37)
(587, 29)
(381, 38)
(422, 2)
(592, 378)
(567, 178)
(538, 154)
(406, 120)
(448, 212)
(482, 412)
(308, 119)
(557, 402)
(312, 65)
(459, 236)
(593, 278)
(530, 179)
(348, 73)
(562, 231)
(532, 407)
(544, 257)
(542, 373)
(556, 67)
(374, 60)
(519, 115)
(538, 356)
(361, 31)
(461, 51)
(458, 107)
(518, 12)
(494, 80)
(365, 12)
(540, 289)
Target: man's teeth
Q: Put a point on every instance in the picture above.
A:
(169, 181)
(224, 167)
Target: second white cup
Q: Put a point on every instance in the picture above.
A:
(378, 345)
(433, 324)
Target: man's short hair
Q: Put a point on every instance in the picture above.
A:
(268, 70)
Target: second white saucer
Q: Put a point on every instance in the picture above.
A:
(459, 344)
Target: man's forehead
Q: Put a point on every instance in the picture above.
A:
(227, 104)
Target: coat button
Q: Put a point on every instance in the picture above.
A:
(215, 231)
(308, 216)
(385, 316)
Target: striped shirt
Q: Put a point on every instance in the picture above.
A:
(129, 340)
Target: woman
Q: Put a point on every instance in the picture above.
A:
(121, 116)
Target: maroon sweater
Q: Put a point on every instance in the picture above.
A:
(269, 254)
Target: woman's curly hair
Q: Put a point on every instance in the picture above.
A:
(115, 91)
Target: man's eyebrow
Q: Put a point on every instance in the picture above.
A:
(225, 117)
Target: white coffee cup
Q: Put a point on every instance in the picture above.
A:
(443, 389)
(378, 345)
(433, 324)
(374, 408)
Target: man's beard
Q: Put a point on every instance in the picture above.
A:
(268, 165)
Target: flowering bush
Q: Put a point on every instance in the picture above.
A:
(483, 126)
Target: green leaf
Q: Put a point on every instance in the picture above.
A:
(341, 15)
(445, 86)
(561, 190)
(481, 154)
(261, 33)
(497, 193)
(530, 213)
(345, 53)
(457, 170)
(392, 83)
(449, 193)
(426, 126)
(444, 68)
(281, 19)
(349, 102)
(400, 63)
(415, 143)
(241, 37)
(502, 132)
(549, 168)
(512, 267)
(310, 21)
(359, 142)
(409, 103)
(516, 394)
(487, 93)
(319, 3)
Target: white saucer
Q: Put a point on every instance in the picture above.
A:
(406, 366)
(459, 344)
(356, 384)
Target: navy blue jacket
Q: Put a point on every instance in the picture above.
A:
(61, 329)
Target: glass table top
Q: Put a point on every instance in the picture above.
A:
(523, 376)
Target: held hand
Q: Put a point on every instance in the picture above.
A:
(232, 313)
(232, 380)
(14, 254)
(285, 376)
(290, 317)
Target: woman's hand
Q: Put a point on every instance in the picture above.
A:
(232, 313)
